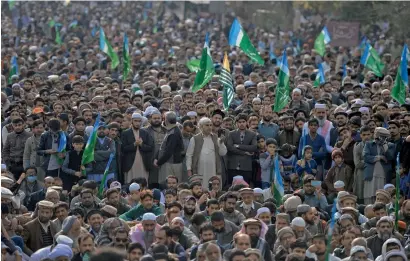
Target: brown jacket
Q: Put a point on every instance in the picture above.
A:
(32, 232)
(343, 173)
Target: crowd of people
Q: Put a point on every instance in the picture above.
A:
(181, 177)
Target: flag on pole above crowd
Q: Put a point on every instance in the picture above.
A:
(238, 37)
(193, 65)
(282, 87)
(278, 188)
(58, 37)
(226, 81)
(371, 60)
(88, 154)
(206, 67)
(320, 76)
(402, 78)
(14, 67)
(126, 58)
(106, 47)
(321, 41)
(344, 69)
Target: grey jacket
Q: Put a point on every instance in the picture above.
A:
(30, 157)
(237, 158)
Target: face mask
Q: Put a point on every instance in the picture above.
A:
(31, 179)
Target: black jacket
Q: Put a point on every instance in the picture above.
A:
(46, 143)
(129, 149)
(35, 198)
(172, 147)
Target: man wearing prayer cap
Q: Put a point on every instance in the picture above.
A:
(137, 150)
(324, 128)
(71, 228)
(298, 225)
(298, 103)
(40, 231)
(383, 196)
(248, 206)
(144, 233)
(256, 231)
(383, 153)
(44, 252)
(61, 253)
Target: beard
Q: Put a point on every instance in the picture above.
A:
(43, 219)
(219, 230)
(406, 215)
(178, 231)
(201, 114)
(229, 210)
(254, 240)
(189, 211)
(267, 118)
(197, 195)
(149, 236)
(309, 222)
(321, 121)
(155, 124)
(384, 235)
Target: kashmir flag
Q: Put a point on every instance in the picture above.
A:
(282, 87)
(226, 81)
(88, 154)
(206, 67)
(104, 179)
(397, 205)
(193, 65)
(106, 47)
(402, 78)
(371, 60)
(278, 189)
(330, 231)
(126, 58)
(363, 43)
(344, 69)
(73, 24)
(320, 76)
(321, 41)
(14, 67)
(62, 143)
(238, 37)
(58, 37)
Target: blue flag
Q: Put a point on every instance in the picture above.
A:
(62, 142)
(344, 71)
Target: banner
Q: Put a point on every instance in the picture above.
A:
(344, 33)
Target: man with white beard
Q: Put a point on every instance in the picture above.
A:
(384, 231)
(325, 126)
(144, 232)
(71, 228)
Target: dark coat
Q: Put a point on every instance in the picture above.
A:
(33, 232)
(35, 198)
(129, 149)
(46, 143)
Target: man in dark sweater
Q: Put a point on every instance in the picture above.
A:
(169, 158)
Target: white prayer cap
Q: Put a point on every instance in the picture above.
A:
(65, 240)
(339, 184)
(149, 216)
(262, 210)
(134, 187)
(6, 180)
(364, 109)
(191, 113)
(165, 88)
(257, 191)
(298, 222)
(320, 106)
(297, 90)
(256, 100)
(6, 193)
(136, 115)
(139, 92)
(238, 178)
(359, 101)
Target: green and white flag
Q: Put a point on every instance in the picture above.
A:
(320, 76)
(206, 67)
(322, 39)
(238, 37)
(282, 87)
(126, 58)
(106, 47)
(371, 60)
(226, 81)
(402, 79)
